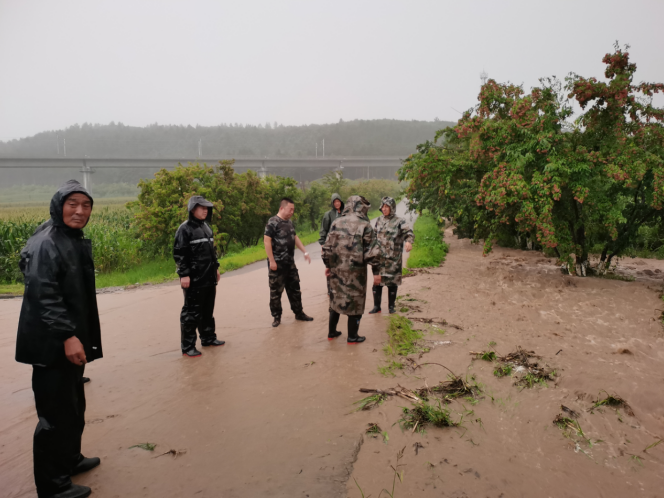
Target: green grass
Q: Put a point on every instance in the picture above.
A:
(390, 368)
(402, 339)
(503, 371)
(155, 271)
(429, 249)
(13, 289)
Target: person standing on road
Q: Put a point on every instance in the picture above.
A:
(330, 216)
(58, 334)
(350, 246)
(280, 242)
(198, 268)
(391, 233)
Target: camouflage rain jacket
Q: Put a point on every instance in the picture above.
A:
(350, 246)
(392, 232)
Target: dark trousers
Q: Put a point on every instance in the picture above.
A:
(287, 277)
(60, 402)
(197, 312)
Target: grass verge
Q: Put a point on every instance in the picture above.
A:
(429, 249)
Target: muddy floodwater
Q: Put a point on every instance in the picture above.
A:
(271, 412)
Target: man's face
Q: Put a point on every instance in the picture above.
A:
(337, 204)
(76, 210)
(200, 212)
(287, 211)
(386, 210)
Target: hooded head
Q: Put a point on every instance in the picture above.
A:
(336, 196)
(390, 203)
(357, 204)
(58, 200)
(199, 200)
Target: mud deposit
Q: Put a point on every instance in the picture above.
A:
(597, 334)
(271, 412)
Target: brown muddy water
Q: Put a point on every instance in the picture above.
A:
(270, 413)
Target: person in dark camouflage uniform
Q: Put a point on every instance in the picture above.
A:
(280, 242)
(350, 246)
(391, 233)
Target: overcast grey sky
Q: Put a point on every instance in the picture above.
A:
(295, 62)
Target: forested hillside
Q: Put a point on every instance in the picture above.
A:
(115, 140)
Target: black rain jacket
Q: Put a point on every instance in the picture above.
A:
(60, 299)
(193, 249)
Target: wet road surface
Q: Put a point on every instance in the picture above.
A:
(264, 415)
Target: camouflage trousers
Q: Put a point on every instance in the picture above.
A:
(286, 276)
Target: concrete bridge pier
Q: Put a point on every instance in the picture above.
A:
(87, 176)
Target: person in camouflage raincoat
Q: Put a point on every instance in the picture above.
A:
(350, 246)
(391, 233)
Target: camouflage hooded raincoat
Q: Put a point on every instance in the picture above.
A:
(392, 232)
(349, 248)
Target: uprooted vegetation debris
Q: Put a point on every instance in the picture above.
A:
(373, 429)
(370, 402)
(423, 414)
(521, 362)
(614, 401)
(145, 446)
(567, 424)
(435, 321)
(453, 388)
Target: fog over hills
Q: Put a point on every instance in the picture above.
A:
(115, 140)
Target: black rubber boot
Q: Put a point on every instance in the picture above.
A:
(392, 298)
(353, 328)
(377, 296)
(333, 333)
(214, 342)
(85, 464)
(303, 317)
(74, 491)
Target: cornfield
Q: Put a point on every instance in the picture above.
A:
(115, 246)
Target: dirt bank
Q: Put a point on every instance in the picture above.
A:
(598, 334)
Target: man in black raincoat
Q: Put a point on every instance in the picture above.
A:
(198, 268)
(58, 333)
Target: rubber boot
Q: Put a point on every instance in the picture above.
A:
(392, 298)
(377, 296)
(333, 333)
(188, 339)
(353, 328)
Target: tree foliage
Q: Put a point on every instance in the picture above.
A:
(242, 203)
(521, 168)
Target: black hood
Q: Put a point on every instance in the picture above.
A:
(58, 200)
(199, 200)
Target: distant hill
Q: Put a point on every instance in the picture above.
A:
(115, 140)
